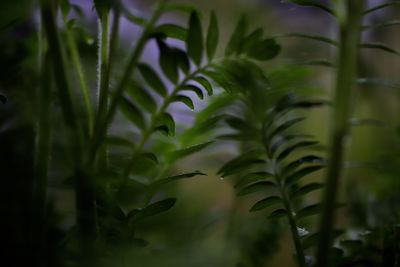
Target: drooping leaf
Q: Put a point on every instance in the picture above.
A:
(177, 154)
(166, 124)
(152, 79)
(167, 62)
(185, 100)
(205, 83)
(256, 187)
(194, 89)
(171, 31)
(194, 41)
(132, 113)
(151, 210)
(309, 211)
(306, 189)
(176, 177)
(237, 37)
(252, 177)
(296, 176)
(380, 46)
(286, 152)
(264, 50)
(266, 202)
(143, 98)
(212, 36)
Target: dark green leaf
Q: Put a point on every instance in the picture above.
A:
(176, 177)
(180, 7)
(264, 50)
(378, 7)
(172, 31)
(182, 60)
(309, 211)
(194, 89)
(286, 152)
(143, 98)
(379, 46)
(306, 189)
(276, 214)
(150, 156)
(119, 141)
(166, 124)
(101, 5)
(177, 154)
(205, 83)
(311, 159)
(132, 113)
(252, 40)
(194, 41)
(313, 37)
(311, 240)
(151, 210)
(296, 176)
(256, 187)
(152, 79)
(266, 202)
(167, 62)
(244, 161)
(185, 100)
(212, 36)
(313, 3)
(252, 177)
(284, 126)
(237, 37)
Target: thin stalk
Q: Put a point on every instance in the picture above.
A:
(75, 57)
(350, 21)
(104, 121)
(42, 158)
(84, 191)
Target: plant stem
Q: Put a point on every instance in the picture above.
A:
(84, 189)
(104, 121)
(80, 73)
(350, 21)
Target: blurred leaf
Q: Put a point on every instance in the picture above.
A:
(152, 79)
(378, 7)
(296, 176)
(205, 83)
(313, 3)
(167, 62)
(311, 159)
(276, 214)
(180, 7)
(3, 99)
(312, 37)
(212, 36)
(194, 40)
(240, 163)
(379, 46)
(284, 126)
(119, 141)
(252, 40)
(151, 210)
(309, 211)
(266, 202)
(286, 152)
(185, 100)
(381, 25)
(194, 89)
(264, 50)
(252, 177)
(181, 59)
(143, 98)
(176, 177)
(132, 113)
(172, 31)
(256, 187)
(306, 189)
(166, 124)
(178, 154)
(237, 37)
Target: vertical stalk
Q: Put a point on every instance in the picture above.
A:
(80, 73)
(84, 189)
(349, 15)
(42, 157)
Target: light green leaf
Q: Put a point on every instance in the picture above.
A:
(212, 36)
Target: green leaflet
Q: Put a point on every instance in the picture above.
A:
(264, 50)
(194, 89)
(296, 176)
(309, 211)
(152, 79)
(205, 83)
(167, 62)
(266, 202)
(143, 98)
(166, 124)
(287, 151)
(132, 113)
(175, 178)
(194, 41)
(305, 190)
(177, 154)
(185, 100)
(252, 177)
(212, 36)
(171, 31)
(256, 187)
(151, 210)
(234, 44)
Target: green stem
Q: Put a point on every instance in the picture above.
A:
(350, 21)
(75, 57)
(84, 189)
(42, 158)
(104, 121)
